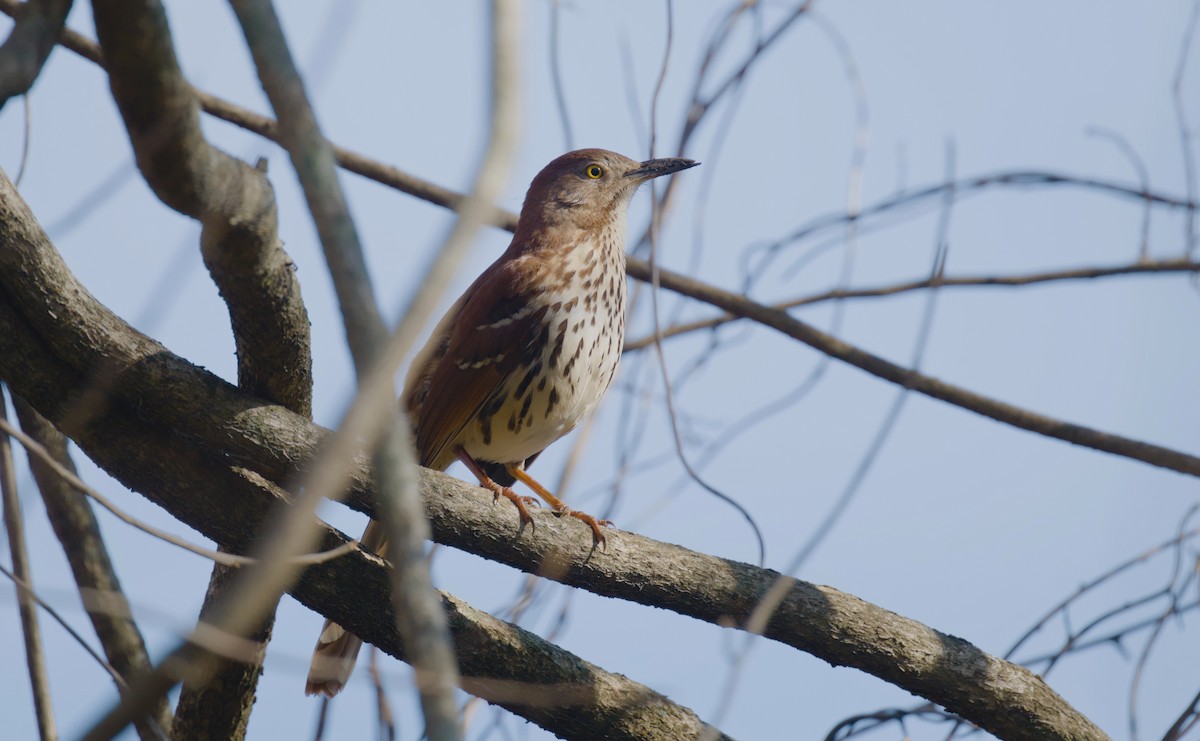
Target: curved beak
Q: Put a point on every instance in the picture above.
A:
(657, 168)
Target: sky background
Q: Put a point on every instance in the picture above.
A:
(969, 526)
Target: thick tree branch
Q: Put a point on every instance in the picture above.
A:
(501, 663)
(39, 23)
(239, 242)
(233, 201)
(79, 534)
(156, 390)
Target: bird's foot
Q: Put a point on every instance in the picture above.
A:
(521, 503)
(597, 525)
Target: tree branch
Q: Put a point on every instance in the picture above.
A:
(161, 396)
(79, 534)
(1000, 411)
(421, 622)
(236, 207)
(1154, 267)
(14, 527)
(233, 202)
(501, 663)
(39, 24)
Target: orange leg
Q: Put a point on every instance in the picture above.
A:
(560, 508)
(497, 490)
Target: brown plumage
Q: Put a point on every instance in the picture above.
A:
(525, 353)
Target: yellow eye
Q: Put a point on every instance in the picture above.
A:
(595, 172)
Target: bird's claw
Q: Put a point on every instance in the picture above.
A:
(519, 502)
(597, 525)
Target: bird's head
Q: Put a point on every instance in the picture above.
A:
(589, 189)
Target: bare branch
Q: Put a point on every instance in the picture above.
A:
(39, 23)
(241, 249)
(1150, 267)
(79, 534)
(224, 424)
(117, 679)
(1185, 133)
(14, 527)
(422, 624)
(1000, 411)
(59, 469)
(233, 202)
(217, 704)
(1186, 721)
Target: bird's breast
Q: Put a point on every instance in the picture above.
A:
(567, 362)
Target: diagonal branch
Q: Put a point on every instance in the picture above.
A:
(501, 663)
(834, 626)
(75, 525)
(420, 621)
(1142, 267)
(781, 321)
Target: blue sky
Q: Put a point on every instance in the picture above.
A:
(969, 526)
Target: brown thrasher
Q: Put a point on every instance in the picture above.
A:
(525, 354)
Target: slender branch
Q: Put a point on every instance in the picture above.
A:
(1000, 411)
(421, 623)
(1186, 721)
(79, 534)
(1179, 265)
(445, 197)
(117, 679)
(313, 161)
(14, 527)
(39, 23)
(1185, 132)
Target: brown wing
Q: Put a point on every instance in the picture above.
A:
(468, 360)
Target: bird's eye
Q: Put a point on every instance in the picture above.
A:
(595, 172)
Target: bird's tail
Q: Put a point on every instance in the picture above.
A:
(337, 648)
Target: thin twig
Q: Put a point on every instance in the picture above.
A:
(24, 587)
(655, 225)
(784, 323)
(1186, 720)
(100, 590)
(556, 81)
(1143, 174)
(383, 709)
(1176, 265)
(14, 526)
(1185, 132)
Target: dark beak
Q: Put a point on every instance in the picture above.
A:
(657, 168)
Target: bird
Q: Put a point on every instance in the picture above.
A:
(525, 353)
